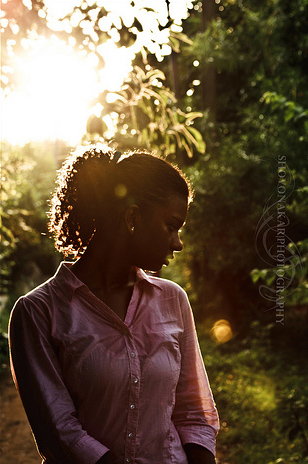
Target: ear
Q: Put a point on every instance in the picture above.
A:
(131, 217)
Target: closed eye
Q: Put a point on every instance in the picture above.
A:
(174, 228)
(175, 225)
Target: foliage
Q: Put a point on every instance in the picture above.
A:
(4, 351)
(146, 115)
(28, 179)
(290, 109)
(137, 26)
(219, 234)
(263, 408)
(88, 26)
(257, 51)
(293, 275)
(13, 170)
(18, 22)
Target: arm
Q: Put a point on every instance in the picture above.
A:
(47, 402)
(195, 415)
(196, 454)
(106, 459)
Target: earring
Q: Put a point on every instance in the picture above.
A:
(132, 229)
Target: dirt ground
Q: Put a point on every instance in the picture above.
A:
(16, 441)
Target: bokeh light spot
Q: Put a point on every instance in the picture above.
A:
(221, 331)
(120, 191)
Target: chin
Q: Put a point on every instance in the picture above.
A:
(153, 269)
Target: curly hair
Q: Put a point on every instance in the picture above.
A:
(95, 185)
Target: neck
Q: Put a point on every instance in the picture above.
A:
(105, 267)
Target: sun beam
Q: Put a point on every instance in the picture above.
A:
(55, 91)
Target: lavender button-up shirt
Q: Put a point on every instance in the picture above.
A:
(91, 382)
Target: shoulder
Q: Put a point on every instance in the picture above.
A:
(174, 297)
(40, 293)
(34, 301)
(168, 287)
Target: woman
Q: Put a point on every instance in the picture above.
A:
(106, 357)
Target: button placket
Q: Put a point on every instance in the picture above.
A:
(133, 404)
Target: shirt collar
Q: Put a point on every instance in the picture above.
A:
(152, 280)
(69, 283)
(67, 280)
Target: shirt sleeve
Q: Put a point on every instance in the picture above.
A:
(37, 374)
(195, 416)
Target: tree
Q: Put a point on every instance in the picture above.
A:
(144, 104)
(257, 52)
(27, 254)
(147, 116)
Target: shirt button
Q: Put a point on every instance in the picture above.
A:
(133, 355)
(130, 435)
(132, 406)
(135, 380)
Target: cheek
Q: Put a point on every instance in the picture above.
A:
(152, 237)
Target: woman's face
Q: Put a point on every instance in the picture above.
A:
(156, 235)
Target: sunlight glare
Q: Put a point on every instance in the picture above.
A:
(54, 96)
(59, 8)
(55, 87)
(117, 65)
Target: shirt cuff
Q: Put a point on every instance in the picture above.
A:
(88, 450)
(203, 436)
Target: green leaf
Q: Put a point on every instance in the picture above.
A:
(200, 143)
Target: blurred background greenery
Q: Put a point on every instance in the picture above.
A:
(220, 88)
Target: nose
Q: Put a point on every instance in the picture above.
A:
(177, 244)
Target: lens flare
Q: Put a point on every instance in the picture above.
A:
(120, 191)
(221, 331)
